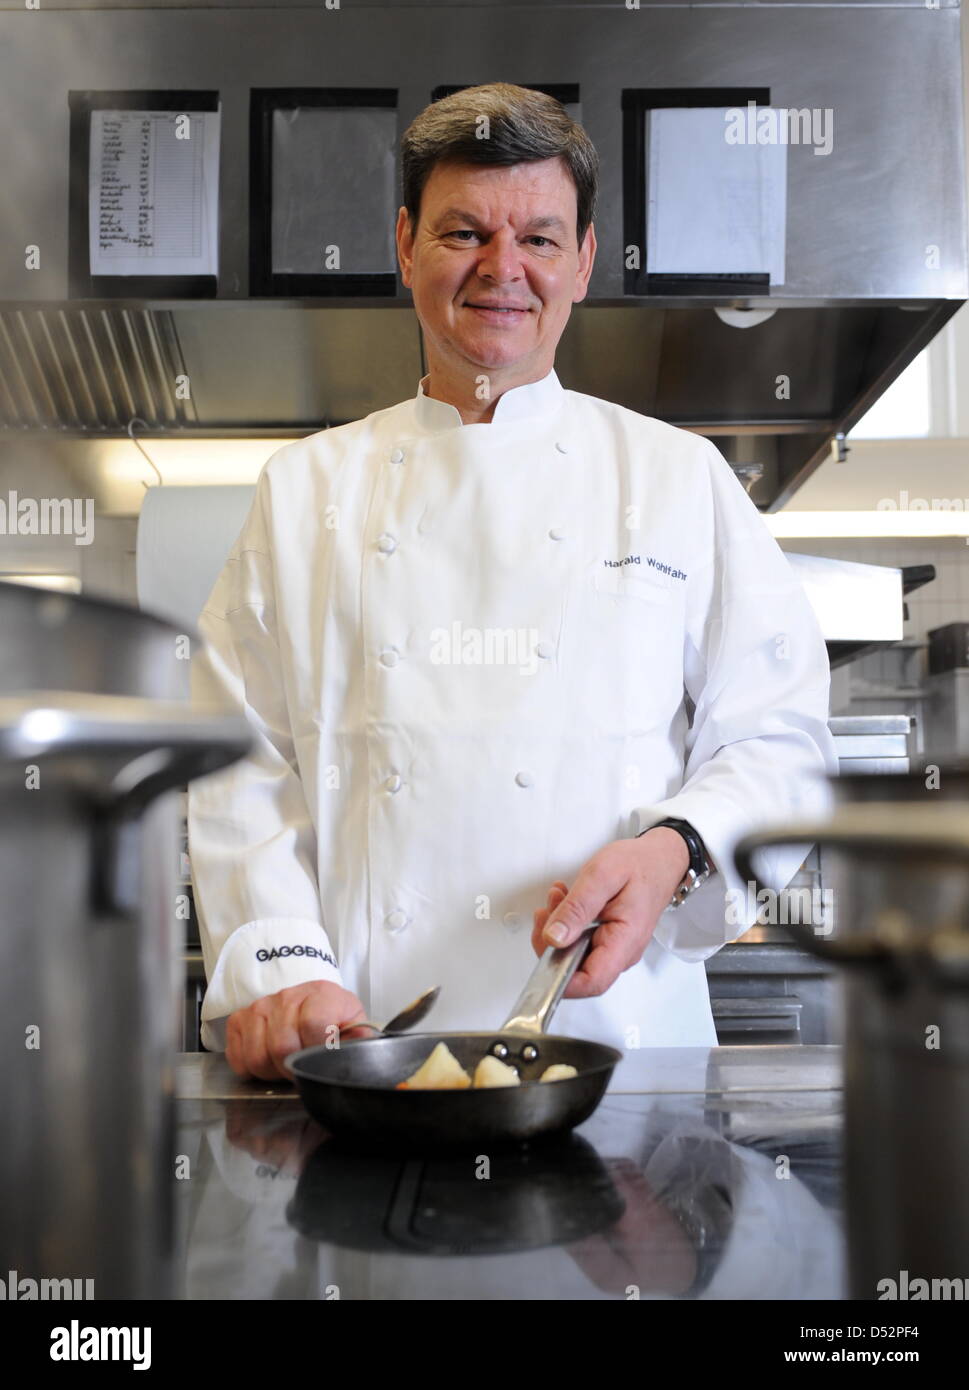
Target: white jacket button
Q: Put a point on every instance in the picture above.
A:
(389, 656)
(557, 533)
(544, 650)
(562, 448)
(513, 920)
(393, 783)
(397, 456)
(387, 544)
(524, 779)
(397, 920)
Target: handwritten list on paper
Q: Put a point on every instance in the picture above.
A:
(154, 192)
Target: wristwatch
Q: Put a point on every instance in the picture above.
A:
(699, 870)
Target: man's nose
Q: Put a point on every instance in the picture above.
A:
(501, 260)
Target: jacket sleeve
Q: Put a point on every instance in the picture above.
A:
(759, 749)
(252, 841)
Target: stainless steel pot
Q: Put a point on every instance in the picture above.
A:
(89, 962)
(901, 931)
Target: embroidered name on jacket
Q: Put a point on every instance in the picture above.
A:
(280, 951)
(653, 564)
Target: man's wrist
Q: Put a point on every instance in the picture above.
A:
(674, 848)
(698, 868)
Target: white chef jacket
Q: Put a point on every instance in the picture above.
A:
(472, 656)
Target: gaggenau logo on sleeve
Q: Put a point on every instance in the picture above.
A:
(281, 952)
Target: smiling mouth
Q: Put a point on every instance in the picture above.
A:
(498, 308)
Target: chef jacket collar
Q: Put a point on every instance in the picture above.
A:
(519, 403)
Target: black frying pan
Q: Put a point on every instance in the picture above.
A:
(350, 1090)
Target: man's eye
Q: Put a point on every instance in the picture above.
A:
(546, 241)
(461, 232)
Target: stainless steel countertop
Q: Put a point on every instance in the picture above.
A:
(670, 1188)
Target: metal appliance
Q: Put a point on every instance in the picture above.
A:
(90, 968)
(900, 929)
(875, 248)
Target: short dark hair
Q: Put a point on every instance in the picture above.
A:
(524, 126)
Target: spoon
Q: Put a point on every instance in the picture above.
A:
(405, 1019)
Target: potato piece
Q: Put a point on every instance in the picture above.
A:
(440, 1072)
(561, 1071)
(490, 1071)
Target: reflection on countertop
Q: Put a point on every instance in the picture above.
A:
(705, 1173)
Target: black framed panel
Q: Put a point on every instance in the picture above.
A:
(81, 283)
(311, 183)
(635, 105)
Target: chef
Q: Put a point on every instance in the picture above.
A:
(515, 659)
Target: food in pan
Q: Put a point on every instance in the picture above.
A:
(560, 1071)
(491, 1072)
(443, 1072)
(440, 1072)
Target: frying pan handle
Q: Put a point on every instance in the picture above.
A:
(536, 1004)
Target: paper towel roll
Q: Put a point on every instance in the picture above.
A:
(184, 537)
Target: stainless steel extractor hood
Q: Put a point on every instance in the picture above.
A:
(876, 257)
(859, 608)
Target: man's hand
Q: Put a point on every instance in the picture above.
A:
(260, 1037)
(626, 887)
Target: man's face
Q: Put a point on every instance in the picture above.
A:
(494, 266)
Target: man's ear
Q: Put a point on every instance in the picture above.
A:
(405, 245)
(587, 255)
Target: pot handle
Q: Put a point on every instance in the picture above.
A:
(163, 742)
(941, 841)
(536, 1004)
(159, 744)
